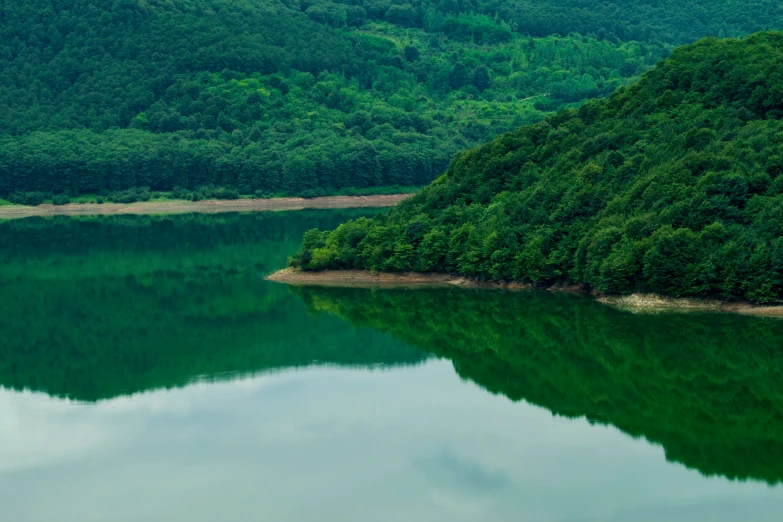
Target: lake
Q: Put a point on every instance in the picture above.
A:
(148, 372)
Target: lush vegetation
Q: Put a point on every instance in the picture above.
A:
(306, 96)
(92, 308)
(687, 382)
(673, 185)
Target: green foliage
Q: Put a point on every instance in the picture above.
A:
(672, 185)
(106, 96)
(689, 382)
(61, 199)
(130, 195)
(28, 198)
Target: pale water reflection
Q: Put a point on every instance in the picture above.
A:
(328, 444)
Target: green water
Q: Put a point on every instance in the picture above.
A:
(148, 372)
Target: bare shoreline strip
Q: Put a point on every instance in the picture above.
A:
(637, 303)
(206, 207)
(365, 279)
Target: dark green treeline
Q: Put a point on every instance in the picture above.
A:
(707, 387)
(99, 307)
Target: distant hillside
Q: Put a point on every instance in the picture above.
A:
(673, 185)
(306, 97)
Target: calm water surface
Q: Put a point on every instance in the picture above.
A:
(148, 372)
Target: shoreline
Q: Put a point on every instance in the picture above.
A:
(634, 303)
(366, 279)
(202, 207)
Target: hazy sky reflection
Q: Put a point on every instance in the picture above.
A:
(328, 444)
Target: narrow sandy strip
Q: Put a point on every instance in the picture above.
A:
(367, 279)
(364, 279)
(637, 303)
(207, 207)
(651, 303)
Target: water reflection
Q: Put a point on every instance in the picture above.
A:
(327, 444)
(93, 308)
(705, 386)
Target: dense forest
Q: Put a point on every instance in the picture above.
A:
(686, 382)
(672, 185)
(93, 308)
(306, 97)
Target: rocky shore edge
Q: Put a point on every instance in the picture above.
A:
(636, 303)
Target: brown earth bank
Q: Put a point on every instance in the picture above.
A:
(637, 303)
(651, 303)
(363, 278)
(206, 207)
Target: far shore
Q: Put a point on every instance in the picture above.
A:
(637, 303)
(206, 207)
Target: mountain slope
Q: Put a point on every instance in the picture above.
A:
(672, 185)
(306, 97)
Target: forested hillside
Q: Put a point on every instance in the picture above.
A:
(673, 185)
(306, 97)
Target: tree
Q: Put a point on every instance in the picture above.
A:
(299, 175)
(401, 14)
(458, 77)
(481, 77)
